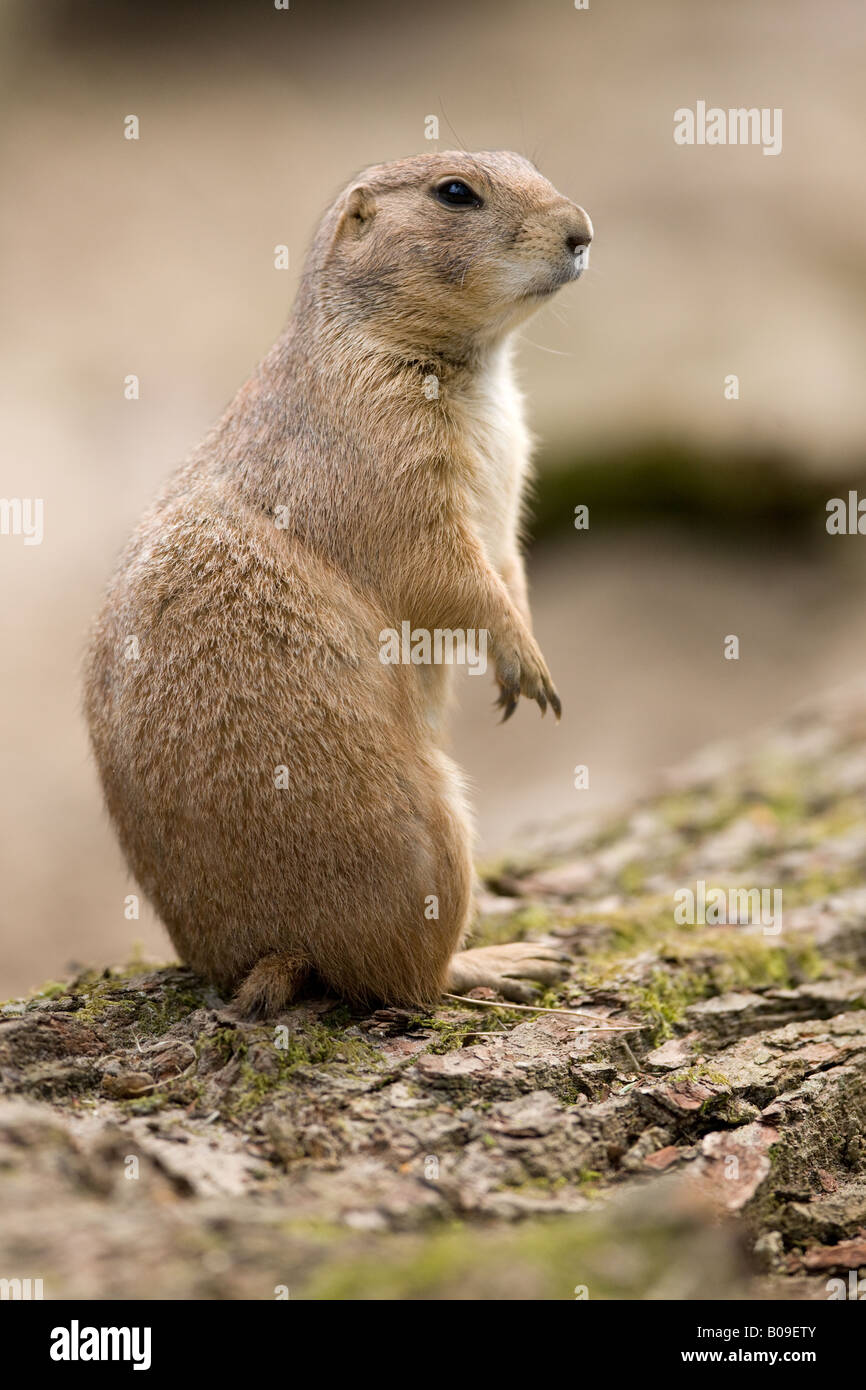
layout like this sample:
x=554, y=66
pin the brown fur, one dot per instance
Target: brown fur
x=334, y=500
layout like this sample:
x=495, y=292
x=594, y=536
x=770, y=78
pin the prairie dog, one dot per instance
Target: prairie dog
x=279, y=791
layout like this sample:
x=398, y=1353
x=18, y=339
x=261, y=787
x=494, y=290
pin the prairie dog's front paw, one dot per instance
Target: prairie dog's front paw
x=522, y=670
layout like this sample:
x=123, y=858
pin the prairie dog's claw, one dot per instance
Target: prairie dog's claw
x=526, y=675
x=507, y=702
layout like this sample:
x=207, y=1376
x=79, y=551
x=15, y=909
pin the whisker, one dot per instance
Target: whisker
x=450, y=126
x=557, y=352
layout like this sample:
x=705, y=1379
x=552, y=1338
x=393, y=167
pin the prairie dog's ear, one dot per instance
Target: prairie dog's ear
x=358, y=213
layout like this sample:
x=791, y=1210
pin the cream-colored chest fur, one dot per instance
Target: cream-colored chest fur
x=497, y=443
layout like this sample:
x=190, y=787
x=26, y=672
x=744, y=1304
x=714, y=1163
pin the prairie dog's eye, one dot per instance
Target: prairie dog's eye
x=454, y=193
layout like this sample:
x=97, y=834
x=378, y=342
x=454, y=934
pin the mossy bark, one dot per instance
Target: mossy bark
x=153, y=1144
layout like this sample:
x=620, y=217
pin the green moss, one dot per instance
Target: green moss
x=157, y=1016
x=109, y=997
x=664, y=1000
x=316, y=1044
x=52, y=989
x=631, y=930
x=589, y=1177
x=545, y=1259
x=513, y=926
x=701, y=1071
x=632, y=877
x=820, y=884
x=843, y=815
x=610, y=833
x=749, y=962
x=450, y=1034
x=698, y=813
x=224, y=1042
x=144, y=1105
x=789, y=805
x=319, y=1043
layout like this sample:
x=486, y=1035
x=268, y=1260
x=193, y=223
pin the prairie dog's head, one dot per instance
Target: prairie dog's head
x=447, y=252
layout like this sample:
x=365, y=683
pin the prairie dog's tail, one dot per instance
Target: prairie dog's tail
x=274, y=982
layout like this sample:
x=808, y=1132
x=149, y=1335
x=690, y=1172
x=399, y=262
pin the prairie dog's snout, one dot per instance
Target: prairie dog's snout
x=558, y=238
x=578, y=238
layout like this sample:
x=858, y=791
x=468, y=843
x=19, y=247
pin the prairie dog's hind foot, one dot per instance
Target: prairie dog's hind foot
x=274, y=983
x=515, y=969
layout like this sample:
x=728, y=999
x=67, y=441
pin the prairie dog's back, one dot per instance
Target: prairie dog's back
x=246, y=661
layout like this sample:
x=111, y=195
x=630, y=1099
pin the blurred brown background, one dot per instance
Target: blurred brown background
x=155, y=257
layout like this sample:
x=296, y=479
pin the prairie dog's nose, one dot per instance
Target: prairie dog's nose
x=579, y=230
